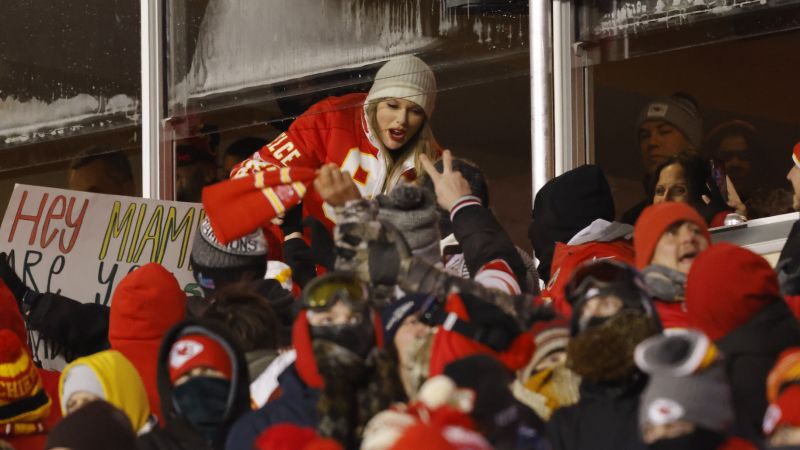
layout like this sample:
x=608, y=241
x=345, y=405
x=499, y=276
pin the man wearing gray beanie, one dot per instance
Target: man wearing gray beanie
x=667, y=127
x=687, y=403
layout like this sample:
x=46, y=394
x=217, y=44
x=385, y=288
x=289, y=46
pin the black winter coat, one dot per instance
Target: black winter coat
x=483, y=239
x=750, y=353
x=605, y=418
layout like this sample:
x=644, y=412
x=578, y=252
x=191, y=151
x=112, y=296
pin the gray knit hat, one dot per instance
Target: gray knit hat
x=406, y=77
x=687, y=382
x=678, y=111
x=213, y=262
x=412, y=210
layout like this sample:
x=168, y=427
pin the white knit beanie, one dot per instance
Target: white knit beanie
x=406, y=77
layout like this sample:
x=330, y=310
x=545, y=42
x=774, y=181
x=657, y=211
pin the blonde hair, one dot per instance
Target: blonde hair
x=423, y=143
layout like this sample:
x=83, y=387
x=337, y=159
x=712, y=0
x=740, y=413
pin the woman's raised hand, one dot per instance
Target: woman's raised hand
x=334, y=186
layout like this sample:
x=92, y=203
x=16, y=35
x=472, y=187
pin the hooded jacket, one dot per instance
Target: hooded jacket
x=732, y=296
x=145, y=304
x=334, y=130
x=11, y=319
x=564, y=206
x=177, y=433
x=122, y=386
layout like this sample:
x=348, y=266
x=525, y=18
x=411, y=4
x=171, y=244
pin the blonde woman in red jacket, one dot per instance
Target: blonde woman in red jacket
x=376, y=138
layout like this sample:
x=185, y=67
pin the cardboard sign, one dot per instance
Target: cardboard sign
x=82, y=244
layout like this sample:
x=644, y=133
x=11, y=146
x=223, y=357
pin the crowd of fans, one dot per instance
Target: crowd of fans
x=360, y=294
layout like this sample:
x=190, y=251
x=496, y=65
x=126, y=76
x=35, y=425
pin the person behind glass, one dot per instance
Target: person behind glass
x=665, y=128
x=102, y=171
x=373, y=139
x=195, y=168
x=240, y=150
x=734, y=144
x=686, y=178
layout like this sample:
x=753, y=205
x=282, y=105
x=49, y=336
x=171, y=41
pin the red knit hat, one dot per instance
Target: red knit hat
x=654, y=222
x=784, y=411
x=196, y=350
x=237, y=207
x=796, y=154
x=727, y=285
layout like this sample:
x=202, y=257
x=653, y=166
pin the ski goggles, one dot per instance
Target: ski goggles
x=326, y=290
x=602, y=277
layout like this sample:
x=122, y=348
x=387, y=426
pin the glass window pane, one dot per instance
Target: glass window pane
x=248, y=68
x=69, y=84
x=745, y=94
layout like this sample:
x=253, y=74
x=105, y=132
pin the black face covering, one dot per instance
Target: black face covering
x=358, y=338
x=699, y=439
x=203, y=402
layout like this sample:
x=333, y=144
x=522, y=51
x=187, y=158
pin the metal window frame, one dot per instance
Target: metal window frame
x=157, y=159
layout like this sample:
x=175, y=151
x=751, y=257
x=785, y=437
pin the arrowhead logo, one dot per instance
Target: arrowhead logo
x=663, y=411
x=183, y=351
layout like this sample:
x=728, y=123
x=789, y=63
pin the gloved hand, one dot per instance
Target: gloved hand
x=293, y=220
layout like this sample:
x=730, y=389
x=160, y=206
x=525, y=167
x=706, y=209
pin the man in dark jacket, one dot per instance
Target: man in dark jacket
x=732, y=296
x=203, y=385
x=612, y=313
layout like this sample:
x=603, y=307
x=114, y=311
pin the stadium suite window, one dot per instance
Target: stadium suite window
x=737, y=59
x=478, y=50
x=70, y=83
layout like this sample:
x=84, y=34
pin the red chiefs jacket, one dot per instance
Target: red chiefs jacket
x=334, y=131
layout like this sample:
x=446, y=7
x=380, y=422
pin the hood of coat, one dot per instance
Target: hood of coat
x=120, y=382
x=239, y=397
x=566, y=205
x=726, y=287
x=145, y=304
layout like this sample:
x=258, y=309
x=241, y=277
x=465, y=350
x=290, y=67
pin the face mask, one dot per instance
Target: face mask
x=357, y=338
x=203, y=402
x=699, y=439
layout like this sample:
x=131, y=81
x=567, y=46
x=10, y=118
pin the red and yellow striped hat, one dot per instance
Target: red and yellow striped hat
x=237, y=207
x=22, y=396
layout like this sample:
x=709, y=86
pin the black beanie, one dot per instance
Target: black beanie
x=95, y=426
x=564, y=206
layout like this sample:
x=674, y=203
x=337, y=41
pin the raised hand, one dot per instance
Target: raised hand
x=450, y=185
x=334, y=186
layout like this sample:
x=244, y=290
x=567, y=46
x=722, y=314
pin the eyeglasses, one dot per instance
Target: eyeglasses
x=324, y=291
x=597, y=276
